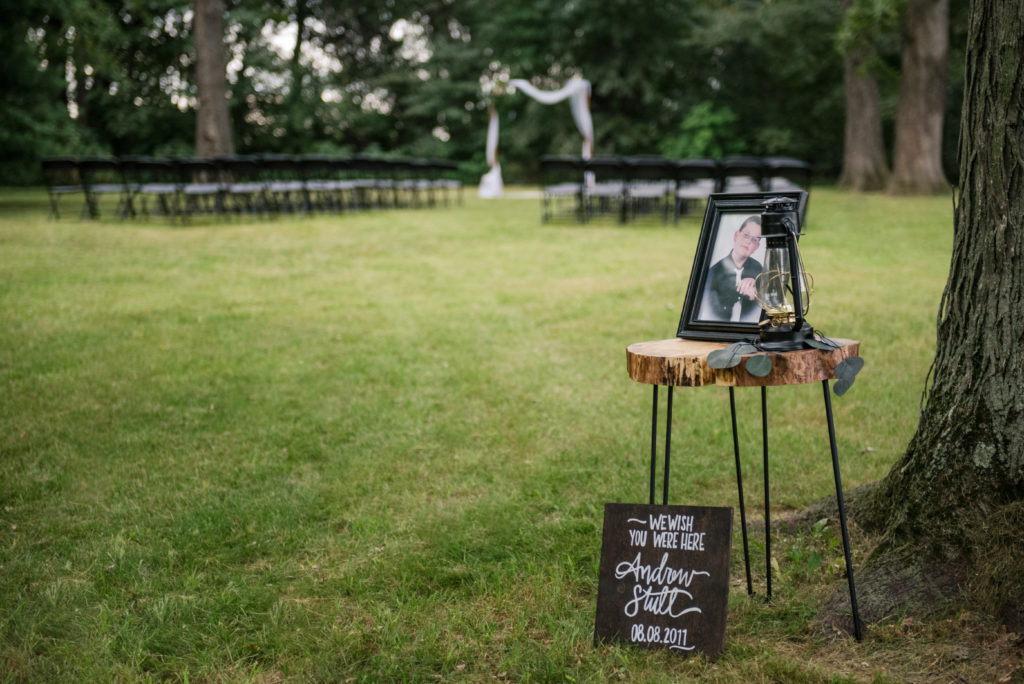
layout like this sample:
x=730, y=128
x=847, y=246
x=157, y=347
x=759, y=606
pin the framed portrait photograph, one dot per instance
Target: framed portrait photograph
x=721, y=302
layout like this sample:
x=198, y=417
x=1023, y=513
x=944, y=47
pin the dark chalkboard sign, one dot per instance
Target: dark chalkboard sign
x=664, y=577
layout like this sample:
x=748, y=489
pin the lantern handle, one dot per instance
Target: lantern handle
x=794, y=265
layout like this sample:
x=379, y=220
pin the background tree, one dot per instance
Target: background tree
x=952, y=508
x=213, y=125
x=917, y=150
x=864, y=163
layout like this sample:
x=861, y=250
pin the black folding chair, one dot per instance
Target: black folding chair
x=62, y=178
x=245, y=189
x=322, y=188
x=649, y=185
x=742, y=174
x=562, y=187
x=362, y=174
x=355, y=188
x=443, y=178
x=154, y=187
x=102, y=177
x=696, y=180
x=785, y=173
x=285, y=190
x=202, y=189
x=413, y=184
x=604, y=188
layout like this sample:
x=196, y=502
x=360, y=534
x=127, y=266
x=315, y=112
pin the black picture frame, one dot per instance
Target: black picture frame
x=726, y=213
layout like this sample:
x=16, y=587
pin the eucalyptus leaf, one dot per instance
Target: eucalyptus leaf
x=823, y=344
x=846, y=374
x=760, y=365
x=730, y=356
x=848, y=368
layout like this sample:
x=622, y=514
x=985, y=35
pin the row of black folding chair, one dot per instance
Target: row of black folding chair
x=129, y=182
x=260, y=184
x=627, y=187
x=288, y=184
x=698, y=178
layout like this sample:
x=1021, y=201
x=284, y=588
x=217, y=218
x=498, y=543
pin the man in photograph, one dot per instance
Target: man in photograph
x=731, y=292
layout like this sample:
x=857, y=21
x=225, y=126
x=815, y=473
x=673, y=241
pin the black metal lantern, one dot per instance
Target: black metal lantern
x=783, y=286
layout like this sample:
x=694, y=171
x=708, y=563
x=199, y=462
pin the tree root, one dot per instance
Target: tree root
x=979, y=565
x=893, y=586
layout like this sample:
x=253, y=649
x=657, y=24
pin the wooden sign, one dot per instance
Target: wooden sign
x=664, y=577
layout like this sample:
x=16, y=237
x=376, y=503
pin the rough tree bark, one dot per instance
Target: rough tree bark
x=952, y=509
x=917, y=153
x=864, y=165
x=213, y=125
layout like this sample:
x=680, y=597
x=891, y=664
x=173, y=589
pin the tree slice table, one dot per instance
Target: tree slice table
x=684, y=363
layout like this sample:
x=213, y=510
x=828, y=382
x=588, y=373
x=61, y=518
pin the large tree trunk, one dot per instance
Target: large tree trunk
x=953, y=507
x=864, y=165
x=917, y=157
x=213, y=125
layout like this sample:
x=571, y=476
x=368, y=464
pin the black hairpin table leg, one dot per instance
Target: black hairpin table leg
x=654, y=442
x=654, y=446
x=668, y=446
x=767, y=503
x=739, y=488
x=857, y=631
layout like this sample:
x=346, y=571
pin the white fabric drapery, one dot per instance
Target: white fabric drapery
x=577, y=91
x=491, y=184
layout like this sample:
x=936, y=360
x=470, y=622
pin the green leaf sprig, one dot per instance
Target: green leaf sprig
x=761, y=364
x=847, y=369
x=730, y=357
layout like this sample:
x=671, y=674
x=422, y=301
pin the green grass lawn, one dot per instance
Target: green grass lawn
x=377, y=446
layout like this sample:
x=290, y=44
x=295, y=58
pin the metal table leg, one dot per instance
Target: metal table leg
x=654, y=442
x=668, y=446
x=654, y=446
x=857, y=626
x=857, y=631
x=767, y=504
x=739, y=487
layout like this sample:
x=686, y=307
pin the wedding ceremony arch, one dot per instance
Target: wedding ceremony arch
x=577, y=91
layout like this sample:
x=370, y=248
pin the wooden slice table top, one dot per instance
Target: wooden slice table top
x=684, y=363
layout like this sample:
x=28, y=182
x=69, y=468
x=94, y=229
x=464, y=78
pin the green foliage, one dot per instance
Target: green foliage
x=706, y=131
x=775, y=67
x=731, y=355
x=759, y=366
x=813, y=552
x=701, y=79
x=846, y=373
x=871, y=22
x=34, y=122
